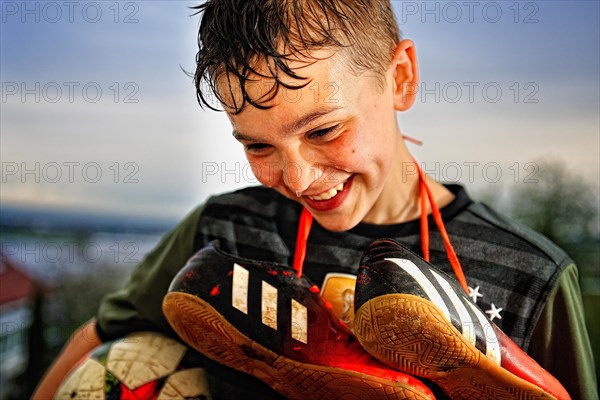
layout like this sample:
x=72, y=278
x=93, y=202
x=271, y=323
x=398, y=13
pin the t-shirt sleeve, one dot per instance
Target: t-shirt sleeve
x=138, y=305
x=560, y=341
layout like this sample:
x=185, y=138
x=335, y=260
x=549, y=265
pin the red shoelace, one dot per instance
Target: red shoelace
x=425, y=195
x=304, y=226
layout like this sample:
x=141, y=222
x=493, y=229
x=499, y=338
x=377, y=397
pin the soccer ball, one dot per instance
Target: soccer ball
x=143, y=365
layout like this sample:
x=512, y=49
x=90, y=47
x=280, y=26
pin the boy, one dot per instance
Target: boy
x=338, y=152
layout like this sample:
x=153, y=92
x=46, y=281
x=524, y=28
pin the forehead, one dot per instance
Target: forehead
x=267, y=85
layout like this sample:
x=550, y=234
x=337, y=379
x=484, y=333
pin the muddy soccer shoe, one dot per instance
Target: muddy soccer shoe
x=262, y=319
x=415, y=318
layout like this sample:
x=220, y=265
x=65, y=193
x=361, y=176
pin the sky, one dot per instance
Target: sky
x=98, y=115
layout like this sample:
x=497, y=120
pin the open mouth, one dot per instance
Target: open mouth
x=330, y=199
x=329, y=194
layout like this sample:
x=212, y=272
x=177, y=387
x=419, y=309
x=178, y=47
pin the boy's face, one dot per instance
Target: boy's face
x=329, y=146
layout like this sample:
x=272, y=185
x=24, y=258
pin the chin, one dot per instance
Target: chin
x=336, y=224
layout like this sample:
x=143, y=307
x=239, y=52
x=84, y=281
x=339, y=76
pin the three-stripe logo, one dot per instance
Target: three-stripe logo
x=269, y=298
x=456, y=308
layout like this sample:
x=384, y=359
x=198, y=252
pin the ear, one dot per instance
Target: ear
x=405, y=75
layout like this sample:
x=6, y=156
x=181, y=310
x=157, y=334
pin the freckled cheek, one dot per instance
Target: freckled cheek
x=350, y=160
x=347, y=153
x=355, y=154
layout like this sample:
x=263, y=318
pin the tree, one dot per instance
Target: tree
x=560, y=205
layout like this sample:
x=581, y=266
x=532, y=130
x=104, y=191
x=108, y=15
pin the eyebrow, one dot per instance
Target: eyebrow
x=310, y=117
x=293, y=126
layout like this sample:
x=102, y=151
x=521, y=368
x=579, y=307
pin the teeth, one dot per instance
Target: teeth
x=330, y=193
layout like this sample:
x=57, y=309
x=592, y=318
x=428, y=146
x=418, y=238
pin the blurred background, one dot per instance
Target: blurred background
x=104, y=148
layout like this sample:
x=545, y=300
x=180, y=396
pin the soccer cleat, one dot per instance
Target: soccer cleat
x=415, y=318
x=262, y=319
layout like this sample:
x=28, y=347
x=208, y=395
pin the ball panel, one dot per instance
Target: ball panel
x=143, y=357
x=189, y=383
x=86, y=382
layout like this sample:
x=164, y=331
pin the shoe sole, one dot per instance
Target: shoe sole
x=411, y=334
x=203, y=328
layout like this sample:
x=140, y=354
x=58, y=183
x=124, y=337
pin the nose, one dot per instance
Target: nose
x=299, y=172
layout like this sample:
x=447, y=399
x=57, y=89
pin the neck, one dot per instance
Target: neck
x=399, y=200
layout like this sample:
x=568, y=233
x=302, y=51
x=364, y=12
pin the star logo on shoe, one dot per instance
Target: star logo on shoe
x=474, y=293
x=494, y=312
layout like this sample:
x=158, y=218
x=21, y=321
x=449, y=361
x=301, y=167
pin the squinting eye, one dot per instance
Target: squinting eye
x=322, y=132
x=257, y=147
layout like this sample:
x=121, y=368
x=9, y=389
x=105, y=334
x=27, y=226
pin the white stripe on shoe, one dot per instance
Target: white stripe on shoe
x=468, y=329
x=299, y=322
x=492, y=350
x=424, y=282
x=269, y=305
x=239, y=289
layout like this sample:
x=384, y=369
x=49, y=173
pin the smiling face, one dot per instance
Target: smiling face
x=333, y=146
